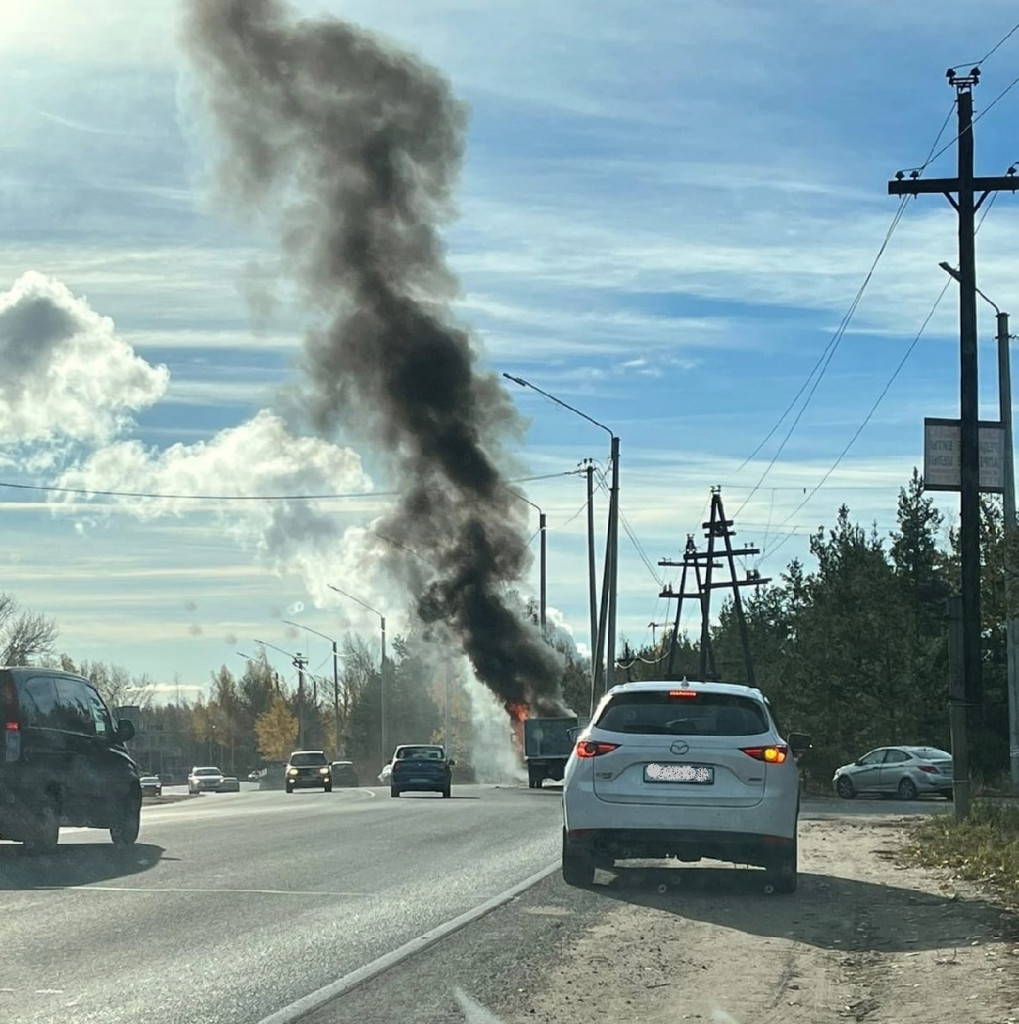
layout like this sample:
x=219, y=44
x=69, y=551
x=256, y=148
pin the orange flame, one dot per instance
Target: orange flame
x=519, y=713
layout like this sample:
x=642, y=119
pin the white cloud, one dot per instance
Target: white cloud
x=65, y=375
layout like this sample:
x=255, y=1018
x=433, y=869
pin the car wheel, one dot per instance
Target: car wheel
x=907, y=790
x=781, y=874
x=445, y=793
x=393, y=791
x=126, y=832
x=290, y=789
x=578, y=868
x=328, y=787
x=845, y=788
x=45, y=830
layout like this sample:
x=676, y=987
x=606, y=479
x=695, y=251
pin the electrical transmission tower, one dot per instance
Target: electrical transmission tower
x=703, y=563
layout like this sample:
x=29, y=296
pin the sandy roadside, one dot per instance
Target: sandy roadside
x=866, y=938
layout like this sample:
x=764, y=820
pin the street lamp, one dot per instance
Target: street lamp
x=382, y=668
x=541, y=563
x=299, y=662
x=607, y=620
x=336, y=682
x=1008, y=503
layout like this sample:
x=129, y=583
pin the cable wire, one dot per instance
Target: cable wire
x=241, y=497
x=823, y=361
x=859, y=430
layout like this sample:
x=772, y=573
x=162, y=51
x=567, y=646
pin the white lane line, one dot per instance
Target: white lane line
x=317, y=999
x=156, y=890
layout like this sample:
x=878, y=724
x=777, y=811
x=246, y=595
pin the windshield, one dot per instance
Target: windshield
x=207, y=771
x=420, y=754
x=706, y=714
x=308, y=759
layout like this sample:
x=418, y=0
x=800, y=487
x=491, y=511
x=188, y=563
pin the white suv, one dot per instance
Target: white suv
x=685, y=770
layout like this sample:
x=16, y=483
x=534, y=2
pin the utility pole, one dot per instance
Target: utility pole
x=717, y=526
x=592, y=578
x=957, y=706
x=300, y=663
x=336, y=703
x=1008, y=502
x=963, y=186
x=612, y=567
x=542, y=590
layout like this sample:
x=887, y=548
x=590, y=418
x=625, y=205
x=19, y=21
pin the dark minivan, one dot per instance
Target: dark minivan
x=63, y=761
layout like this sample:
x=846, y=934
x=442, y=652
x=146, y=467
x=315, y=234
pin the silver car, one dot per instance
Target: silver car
x=905, y=772
x=204, y=780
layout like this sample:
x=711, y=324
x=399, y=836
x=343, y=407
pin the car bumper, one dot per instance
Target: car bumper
x=420, y=785
x=606, y=846
x=151, y=791
x=309, y=783
x=775, y=815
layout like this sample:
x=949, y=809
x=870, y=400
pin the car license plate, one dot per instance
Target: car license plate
x=690, y=774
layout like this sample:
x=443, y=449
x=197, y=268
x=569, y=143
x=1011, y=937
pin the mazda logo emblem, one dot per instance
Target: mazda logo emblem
x=679, y=747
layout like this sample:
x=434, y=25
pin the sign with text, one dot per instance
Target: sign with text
x=942, y=456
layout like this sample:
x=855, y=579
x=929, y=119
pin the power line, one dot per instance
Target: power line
x=823, y=361
x=994, y=49
x=50, y=488
x=884, y=391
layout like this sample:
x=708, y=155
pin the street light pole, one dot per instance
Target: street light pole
x=382, y=668
x=299, y=662
x=1009, y=524
x=592, y=579
x=607, y=624
x=542, y=564
x=336, y=683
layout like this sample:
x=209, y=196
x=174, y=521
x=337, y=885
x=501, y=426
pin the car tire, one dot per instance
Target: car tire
x=782, y=873
x=126, y=832
x=393, y=791
x=446, y=793
x=578, y=868
x=328, y=787
x=45, y=830
x=289, y=789
x=845, y=788
x=907, y=790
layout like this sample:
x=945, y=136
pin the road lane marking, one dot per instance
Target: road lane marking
x=156, y=890
x=320, y=997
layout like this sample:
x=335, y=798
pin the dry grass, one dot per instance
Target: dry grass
x=984, y=848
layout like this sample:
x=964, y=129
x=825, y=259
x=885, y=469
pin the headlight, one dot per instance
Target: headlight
x=324, y=771
x=292, y=771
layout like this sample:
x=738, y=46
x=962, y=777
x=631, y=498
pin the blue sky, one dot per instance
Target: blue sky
x=666, y=210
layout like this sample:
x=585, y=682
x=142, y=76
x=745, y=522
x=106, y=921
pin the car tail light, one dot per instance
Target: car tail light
x=770, y=755
x=682, y=693
x=12, y=723
x=591, y=748
x=929, y=768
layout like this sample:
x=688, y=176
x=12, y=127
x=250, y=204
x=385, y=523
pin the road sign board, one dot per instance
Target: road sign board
x=942, y=456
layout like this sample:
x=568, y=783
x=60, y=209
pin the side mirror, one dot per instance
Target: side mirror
x=452, y=763
x=799, y=742
x=125, y=730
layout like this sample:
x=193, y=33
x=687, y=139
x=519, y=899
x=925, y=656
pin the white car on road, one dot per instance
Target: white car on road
x=205, y=780
x=688, y=770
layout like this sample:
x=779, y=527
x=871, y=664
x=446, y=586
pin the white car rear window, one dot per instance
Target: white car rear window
x=659, y=712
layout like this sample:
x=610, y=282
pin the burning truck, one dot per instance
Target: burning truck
x=544, y=743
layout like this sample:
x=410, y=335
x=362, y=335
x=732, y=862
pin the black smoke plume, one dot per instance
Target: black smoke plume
x=351, y=149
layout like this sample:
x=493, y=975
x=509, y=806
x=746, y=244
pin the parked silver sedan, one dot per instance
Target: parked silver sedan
x=905, y=772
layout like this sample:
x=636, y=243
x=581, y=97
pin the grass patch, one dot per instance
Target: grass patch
x=984, y=848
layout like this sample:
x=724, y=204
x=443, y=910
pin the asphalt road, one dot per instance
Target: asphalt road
x=233, y=906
